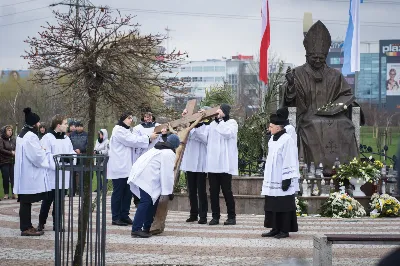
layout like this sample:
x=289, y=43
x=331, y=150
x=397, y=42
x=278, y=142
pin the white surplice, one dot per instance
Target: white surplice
x=122, y=146
x=194, y=158
x=222, y=151
x=153, y=172
x=292, y=132
x=281, y=164
x=55, y=147
x=30, y=166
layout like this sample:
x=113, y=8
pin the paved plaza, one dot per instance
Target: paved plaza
x=193, y=244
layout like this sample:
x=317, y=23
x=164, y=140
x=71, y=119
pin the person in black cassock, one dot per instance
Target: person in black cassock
x=280, y=178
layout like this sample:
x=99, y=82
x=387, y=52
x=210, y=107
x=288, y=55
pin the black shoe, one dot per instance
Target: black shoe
x=40, y=227
x=230, y=222
x=281, y=235
x=191, y=219
x=140, y=234
x=119, y=223
x=202, y=221
x=155, y=232
x=271, y=233
x=127, y=221
x=213, y=222
x=147, y=230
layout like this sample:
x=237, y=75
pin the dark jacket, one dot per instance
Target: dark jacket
x=7, y=145
x=79, y=140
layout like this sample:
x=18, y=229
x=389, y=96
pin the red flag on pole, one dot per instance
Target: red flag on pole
x=265, y=41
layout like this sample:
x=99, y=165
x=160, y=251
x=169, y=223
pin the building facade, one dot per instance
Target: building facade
x=239, y=72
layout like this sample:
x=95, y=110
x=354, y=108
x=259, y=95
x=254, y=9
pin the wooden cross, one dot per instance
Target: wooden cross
x=191, y=116
x=162, y=209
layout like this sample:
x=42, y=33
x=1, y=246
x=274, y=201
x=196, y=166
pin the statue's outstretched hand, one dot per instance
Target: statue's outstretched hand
x=290, y=76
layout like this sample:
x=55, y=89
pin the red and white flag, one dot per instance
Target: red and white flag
x=265, y=41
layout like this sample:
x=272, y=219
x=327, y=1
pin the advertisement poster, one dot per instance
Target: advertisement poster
x=393, y=79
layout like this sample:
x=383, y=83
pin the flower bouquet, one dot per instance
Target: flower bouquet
x=384, y=206
x=341, y=206
x=301, y=207
x=368, y=171
x=358, y=173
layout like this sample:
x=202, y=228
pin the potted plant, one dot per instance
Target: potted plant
x=358, y=173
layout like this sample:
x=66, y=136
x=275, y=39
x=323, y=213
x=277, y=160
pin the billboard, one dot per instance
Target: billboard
x=389, y=61
x=7, y=74
x=392, y=79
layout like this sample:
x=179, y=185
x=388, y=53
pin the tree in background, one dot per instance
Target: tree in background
x=252, y=138
x=102, y=59
x=17, y=94
x=217, y=95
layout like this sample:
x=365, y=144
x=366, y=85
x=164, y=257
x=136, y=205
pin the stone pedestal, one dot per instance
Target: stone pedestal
x=356, y=116
x=292, y=116
x=248, y=199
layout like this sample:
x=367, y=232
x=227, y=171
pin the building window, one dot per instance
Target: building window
x=219, y=79
x=209, y=69
x=197, y=69
x=186, y=69
x=208, y=79
x=220, y=69
x=232, y=79
x=335, y=61
x=197, y=79
x=186, y=79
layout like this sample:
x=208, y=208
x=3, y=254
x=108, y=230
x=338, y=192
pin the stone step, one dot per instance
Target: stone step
x=242, y=185
x=252, y=204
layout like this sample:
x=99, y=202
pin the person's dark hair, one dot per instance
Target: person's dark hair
x=10, y=75
x=57, y=120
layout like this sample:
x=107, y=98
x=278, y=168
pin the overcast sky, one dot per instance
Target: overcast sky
x=220, y=28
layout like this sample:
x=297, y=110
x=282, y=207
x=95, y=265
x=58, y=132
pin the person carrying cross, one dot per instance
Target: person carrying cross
x=222, y=163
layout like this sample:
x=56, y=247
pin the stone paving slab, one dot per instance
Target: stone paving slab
x=194, y=244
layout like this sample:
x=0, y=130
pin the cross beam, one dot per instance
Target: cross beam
x=189, y=117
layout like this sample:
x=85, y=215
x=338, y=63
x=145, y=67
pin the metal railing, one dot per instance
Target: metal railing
x=80, y=221
x=365, y=151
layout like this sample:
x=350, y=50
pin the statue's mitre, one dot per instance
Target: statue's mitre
x=318, y=39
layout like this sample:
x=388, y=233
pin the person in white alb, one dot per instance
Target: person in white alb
x=101, y=147
x=145, y=128
x=222, y=163
x=193, y=163
x=121, y=158
x=30, y=179
x=280, y=176
x=291, y=130
x=151, y=176
x=55, y=142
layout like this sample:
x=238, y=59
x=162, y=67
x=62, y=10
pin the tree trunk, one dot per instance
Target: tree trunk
x=83, y=221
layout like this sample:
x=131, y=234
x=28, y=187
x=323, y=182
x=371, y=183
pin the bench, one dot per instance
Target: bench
x=323, y=244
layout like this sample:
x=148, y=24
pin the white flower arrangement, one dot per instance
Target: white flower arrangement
x=340, y=205
x=301, y=207
x=384, y=206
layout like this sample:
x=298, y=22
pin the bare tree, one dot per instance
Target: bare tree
x=102, y=59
